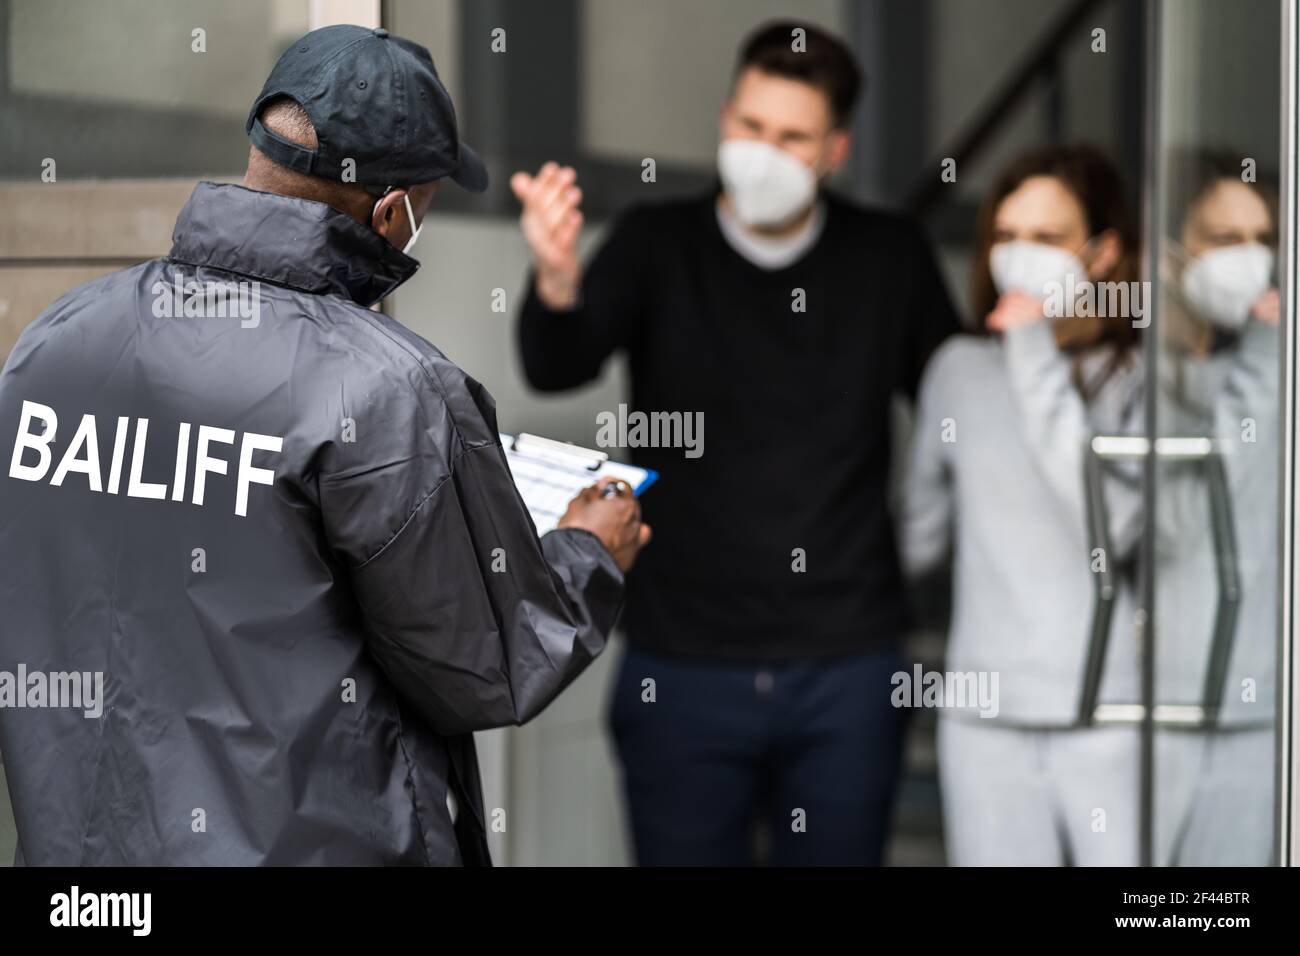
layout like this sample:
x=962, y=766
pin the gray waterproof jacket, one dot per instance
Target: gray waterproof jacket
x=281, y=531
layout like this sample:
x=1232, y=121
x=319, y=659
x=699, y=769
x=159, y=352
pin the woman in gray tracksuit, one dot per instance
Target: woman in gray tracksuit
x=996, y=475
x=1219, y=378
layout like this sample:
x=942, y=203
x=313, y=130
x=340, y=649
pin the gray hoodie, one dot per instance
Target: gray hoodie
x=996, y=474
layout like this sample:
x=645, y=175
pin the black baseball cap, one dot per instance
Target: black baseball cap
x=375, y=99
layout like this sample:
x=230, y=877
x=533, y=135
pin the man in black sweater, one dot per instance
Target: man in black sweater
x=764, y=621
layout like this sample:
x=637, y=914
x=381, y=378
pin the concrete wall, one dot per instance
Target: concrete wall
x=243, y=38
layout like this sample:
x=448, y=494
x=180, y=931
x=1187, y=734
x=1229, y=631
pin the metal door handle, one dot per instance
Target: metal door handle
x=1227, y=572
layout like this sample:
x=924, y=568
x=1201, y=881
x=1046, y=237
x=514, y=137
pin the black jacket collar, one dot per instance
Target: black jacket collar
x=301, y=244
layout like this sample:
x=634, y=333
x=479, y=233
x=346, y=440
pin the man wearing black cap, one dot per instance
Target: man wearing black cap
x=268, y=535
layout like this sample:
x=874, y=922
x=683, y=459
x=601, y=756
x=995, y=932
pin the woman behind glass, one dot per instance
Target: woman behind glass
x=996, y=476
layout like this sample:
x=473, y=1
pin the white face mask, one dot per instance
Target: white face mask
x=1035, y=268
x=767, y=186
x=410, y=217
x=1221, y=285
x=415, y=229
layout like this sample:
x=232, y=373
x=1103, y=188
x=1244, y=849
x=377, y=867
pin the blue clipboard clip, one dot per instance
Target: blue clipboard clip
x=651, y=476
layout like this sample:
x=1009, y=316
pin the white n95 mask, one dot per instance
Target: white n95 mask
x=1035, y=268
x=768, y=187
x=1221, y=285
x=415, y=229
x=410, y=217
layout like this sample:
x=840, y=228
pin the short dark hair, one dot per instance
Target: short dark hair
x=287, y=118
x=820, y=60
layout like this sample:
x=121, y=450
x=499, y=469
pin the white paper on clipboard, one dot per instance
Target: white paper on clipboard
x=549, y=473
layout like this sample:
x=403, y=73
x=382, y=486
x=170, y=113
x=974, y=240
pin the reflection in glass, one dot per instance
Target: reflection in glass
x=1217, y=415
x=1216, y=514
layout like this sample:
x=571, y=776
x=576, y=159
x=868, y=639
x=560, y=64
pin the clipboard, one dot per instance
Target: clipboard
x=549, y=473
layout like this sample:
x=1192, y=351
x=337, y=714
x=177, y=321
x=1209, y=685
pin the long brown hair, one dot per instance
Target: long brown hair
x=1095, y=182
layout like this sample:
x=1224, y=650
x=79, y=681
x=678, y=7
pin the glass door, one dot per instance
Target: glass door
x=1213, y=548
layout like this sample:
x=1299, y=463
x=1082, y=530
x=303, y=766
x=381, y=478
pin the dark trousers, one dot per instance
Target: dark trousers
x=807, y=751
